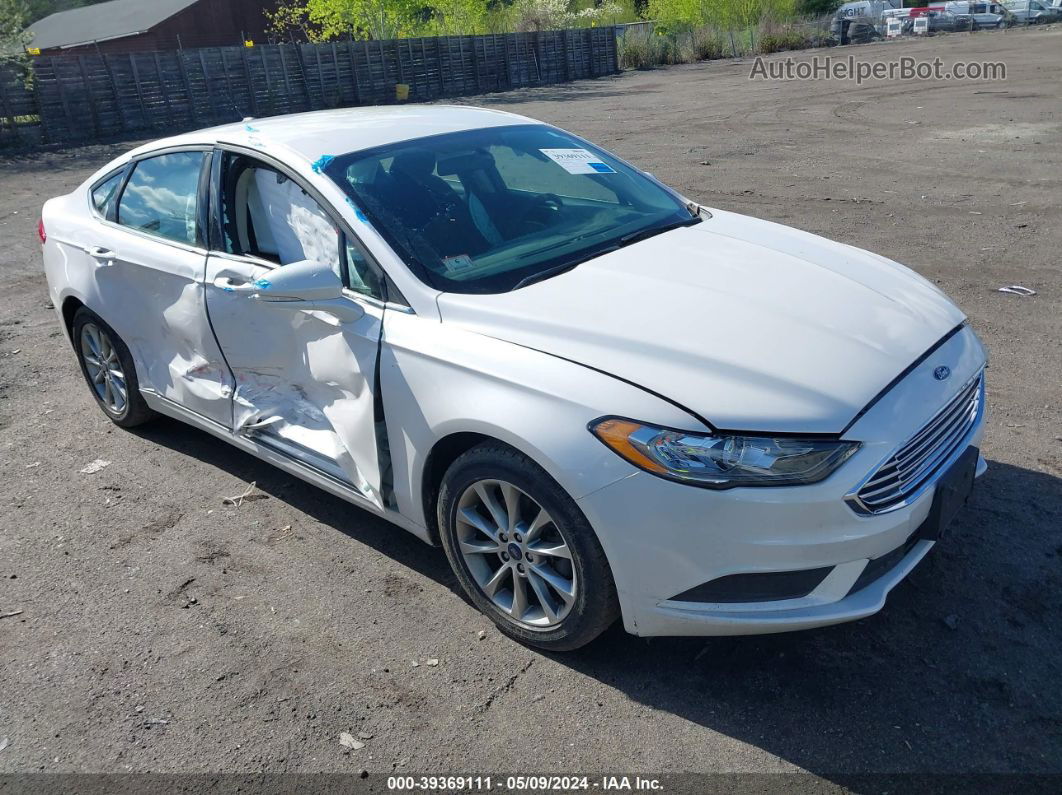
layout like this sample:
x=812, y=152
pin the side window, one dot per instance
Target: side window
x=161, y=196
x=361, y=273
x=104, y=193
x=267, y=215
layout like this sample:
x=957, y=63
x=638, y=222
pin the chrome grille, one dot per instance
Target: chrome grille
x=912, y=467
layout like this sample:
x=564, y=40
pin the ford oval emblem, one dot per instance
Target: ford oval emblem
x=942, y=373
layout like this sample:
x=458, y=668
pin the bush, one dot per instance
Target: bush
x=707, y=44
x=634, y=53
x=644, y=49
x=783, y=40
x=639, y=51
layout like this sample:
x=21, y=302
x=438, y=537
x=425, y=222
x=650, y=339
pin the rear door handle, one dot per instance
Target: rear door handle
x=99, y=252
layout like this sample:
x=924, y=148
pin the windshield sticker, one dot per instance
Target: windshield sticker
x=578, y=161
x=459, y=263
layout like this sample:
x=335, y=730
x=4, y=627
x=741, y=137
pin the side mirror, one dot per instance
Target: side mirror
x=307, y=285
x=300, y=281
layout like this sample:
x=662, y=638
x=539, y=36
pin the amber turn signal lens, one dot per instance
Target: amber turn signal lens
x=616, y=434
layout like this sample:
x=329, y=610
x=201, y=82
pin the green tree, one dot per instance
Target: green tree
x=817, y=8
x=458, y=17
x=321, y=20
x=682, y=15
x=13, y=37
x=679, y=15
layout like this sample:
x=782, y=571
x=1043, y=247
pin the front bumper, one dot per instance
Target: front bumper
x=666, y=541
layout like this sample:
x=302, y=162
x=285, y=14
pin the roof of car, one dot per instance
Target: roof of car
x=337, y=132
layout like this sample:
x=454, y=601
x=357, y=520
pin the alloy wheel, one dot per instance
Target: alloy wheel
x=104, y=368
x=516, y=554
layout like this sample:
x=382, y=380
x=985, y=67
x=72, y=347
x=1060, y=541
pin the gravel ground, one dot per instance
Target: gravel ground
x=161, y=630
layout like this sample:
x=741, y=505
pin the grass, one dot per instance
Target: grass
x=646, y=49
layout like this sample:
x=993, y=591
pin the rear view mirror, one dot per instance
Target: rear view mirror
x=307, y=285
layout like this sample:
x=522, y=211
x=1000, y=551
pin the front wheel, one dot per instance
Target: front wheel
x=523, y=551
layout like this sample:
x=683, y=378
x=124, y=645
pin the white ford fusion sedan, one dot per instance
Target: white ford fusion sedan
x=599, y=397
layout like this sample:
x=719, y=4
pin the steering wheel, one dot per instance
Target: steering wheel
x=545, y=205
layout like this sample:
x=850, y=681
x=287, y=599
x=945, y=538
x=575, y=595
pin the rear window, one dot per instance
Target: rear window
x=104, y=193
x=162, y=195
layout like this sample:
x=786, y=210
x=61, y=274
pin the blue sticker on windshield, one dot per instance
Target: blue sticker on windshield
x=602, y=168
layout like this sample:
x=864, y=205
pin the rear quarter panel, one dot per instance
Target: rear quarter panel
x=67, y=268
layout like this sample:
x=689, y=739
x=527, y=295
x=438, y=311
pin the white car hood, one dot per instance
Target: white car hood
x=749, y=324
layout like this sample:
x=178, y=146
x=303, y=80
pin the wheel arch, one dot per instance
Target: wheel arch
x=442, y=454
x=69, y=308
x=448, y=449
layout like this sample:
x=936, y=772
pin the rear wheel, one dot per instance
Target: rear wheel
x=523, y=551
x=108, y=369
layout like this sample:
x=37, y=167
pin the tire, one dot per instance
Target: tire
x=573, y=562
x=91, y=335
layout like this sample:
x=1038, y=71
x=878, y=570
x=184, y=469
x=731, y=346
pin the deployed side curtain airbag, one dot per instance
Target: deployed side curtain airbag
x=299, y=229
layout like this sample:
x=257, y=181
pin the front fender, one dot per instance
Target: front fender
x=438, y=380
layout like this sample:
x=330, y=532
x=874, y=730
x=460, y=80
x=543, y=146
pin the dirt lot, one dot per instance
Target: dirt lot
x=162, y=630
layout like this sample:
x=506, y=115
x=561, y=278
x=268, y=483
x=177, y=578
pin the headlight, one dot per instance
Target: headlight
x=723, y=461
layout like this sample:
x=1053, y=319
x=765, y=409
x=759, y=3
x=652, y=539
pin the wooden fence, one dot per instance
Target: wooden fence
x=85, y=98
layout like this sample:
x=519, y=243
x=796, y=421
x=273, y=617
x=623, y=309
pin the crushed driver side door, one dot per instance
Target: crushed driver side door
x=304, y=380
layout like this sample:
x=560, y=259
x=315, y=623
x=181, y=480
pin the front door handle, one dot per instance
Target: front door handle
x=231, y=284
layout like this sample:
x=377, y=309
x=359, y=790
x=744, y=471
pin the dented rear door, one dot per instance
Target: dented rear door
x=147, y=261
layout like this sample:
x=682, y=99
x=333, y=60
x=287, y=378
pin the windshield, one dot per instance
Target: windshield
x=485, y=211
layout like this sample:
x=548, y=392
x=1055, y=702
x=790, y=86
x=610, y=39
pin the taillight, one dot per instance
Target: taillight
x=41, y=233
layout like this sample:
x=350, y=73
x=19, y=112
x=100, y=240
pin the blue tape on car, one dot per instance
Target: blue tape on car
x=263, y=284
x=321, y=163
x=357, y=211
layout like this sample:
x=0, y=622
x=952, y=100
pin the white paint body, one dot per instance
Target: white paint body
x=741, y=323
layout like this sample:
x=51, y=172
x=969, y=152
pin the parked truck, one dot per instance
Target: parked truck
x=861, y=21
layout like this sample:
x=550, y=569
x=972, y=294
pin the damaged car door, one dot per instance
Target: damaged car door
x=304, y=371
x=147, y=252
